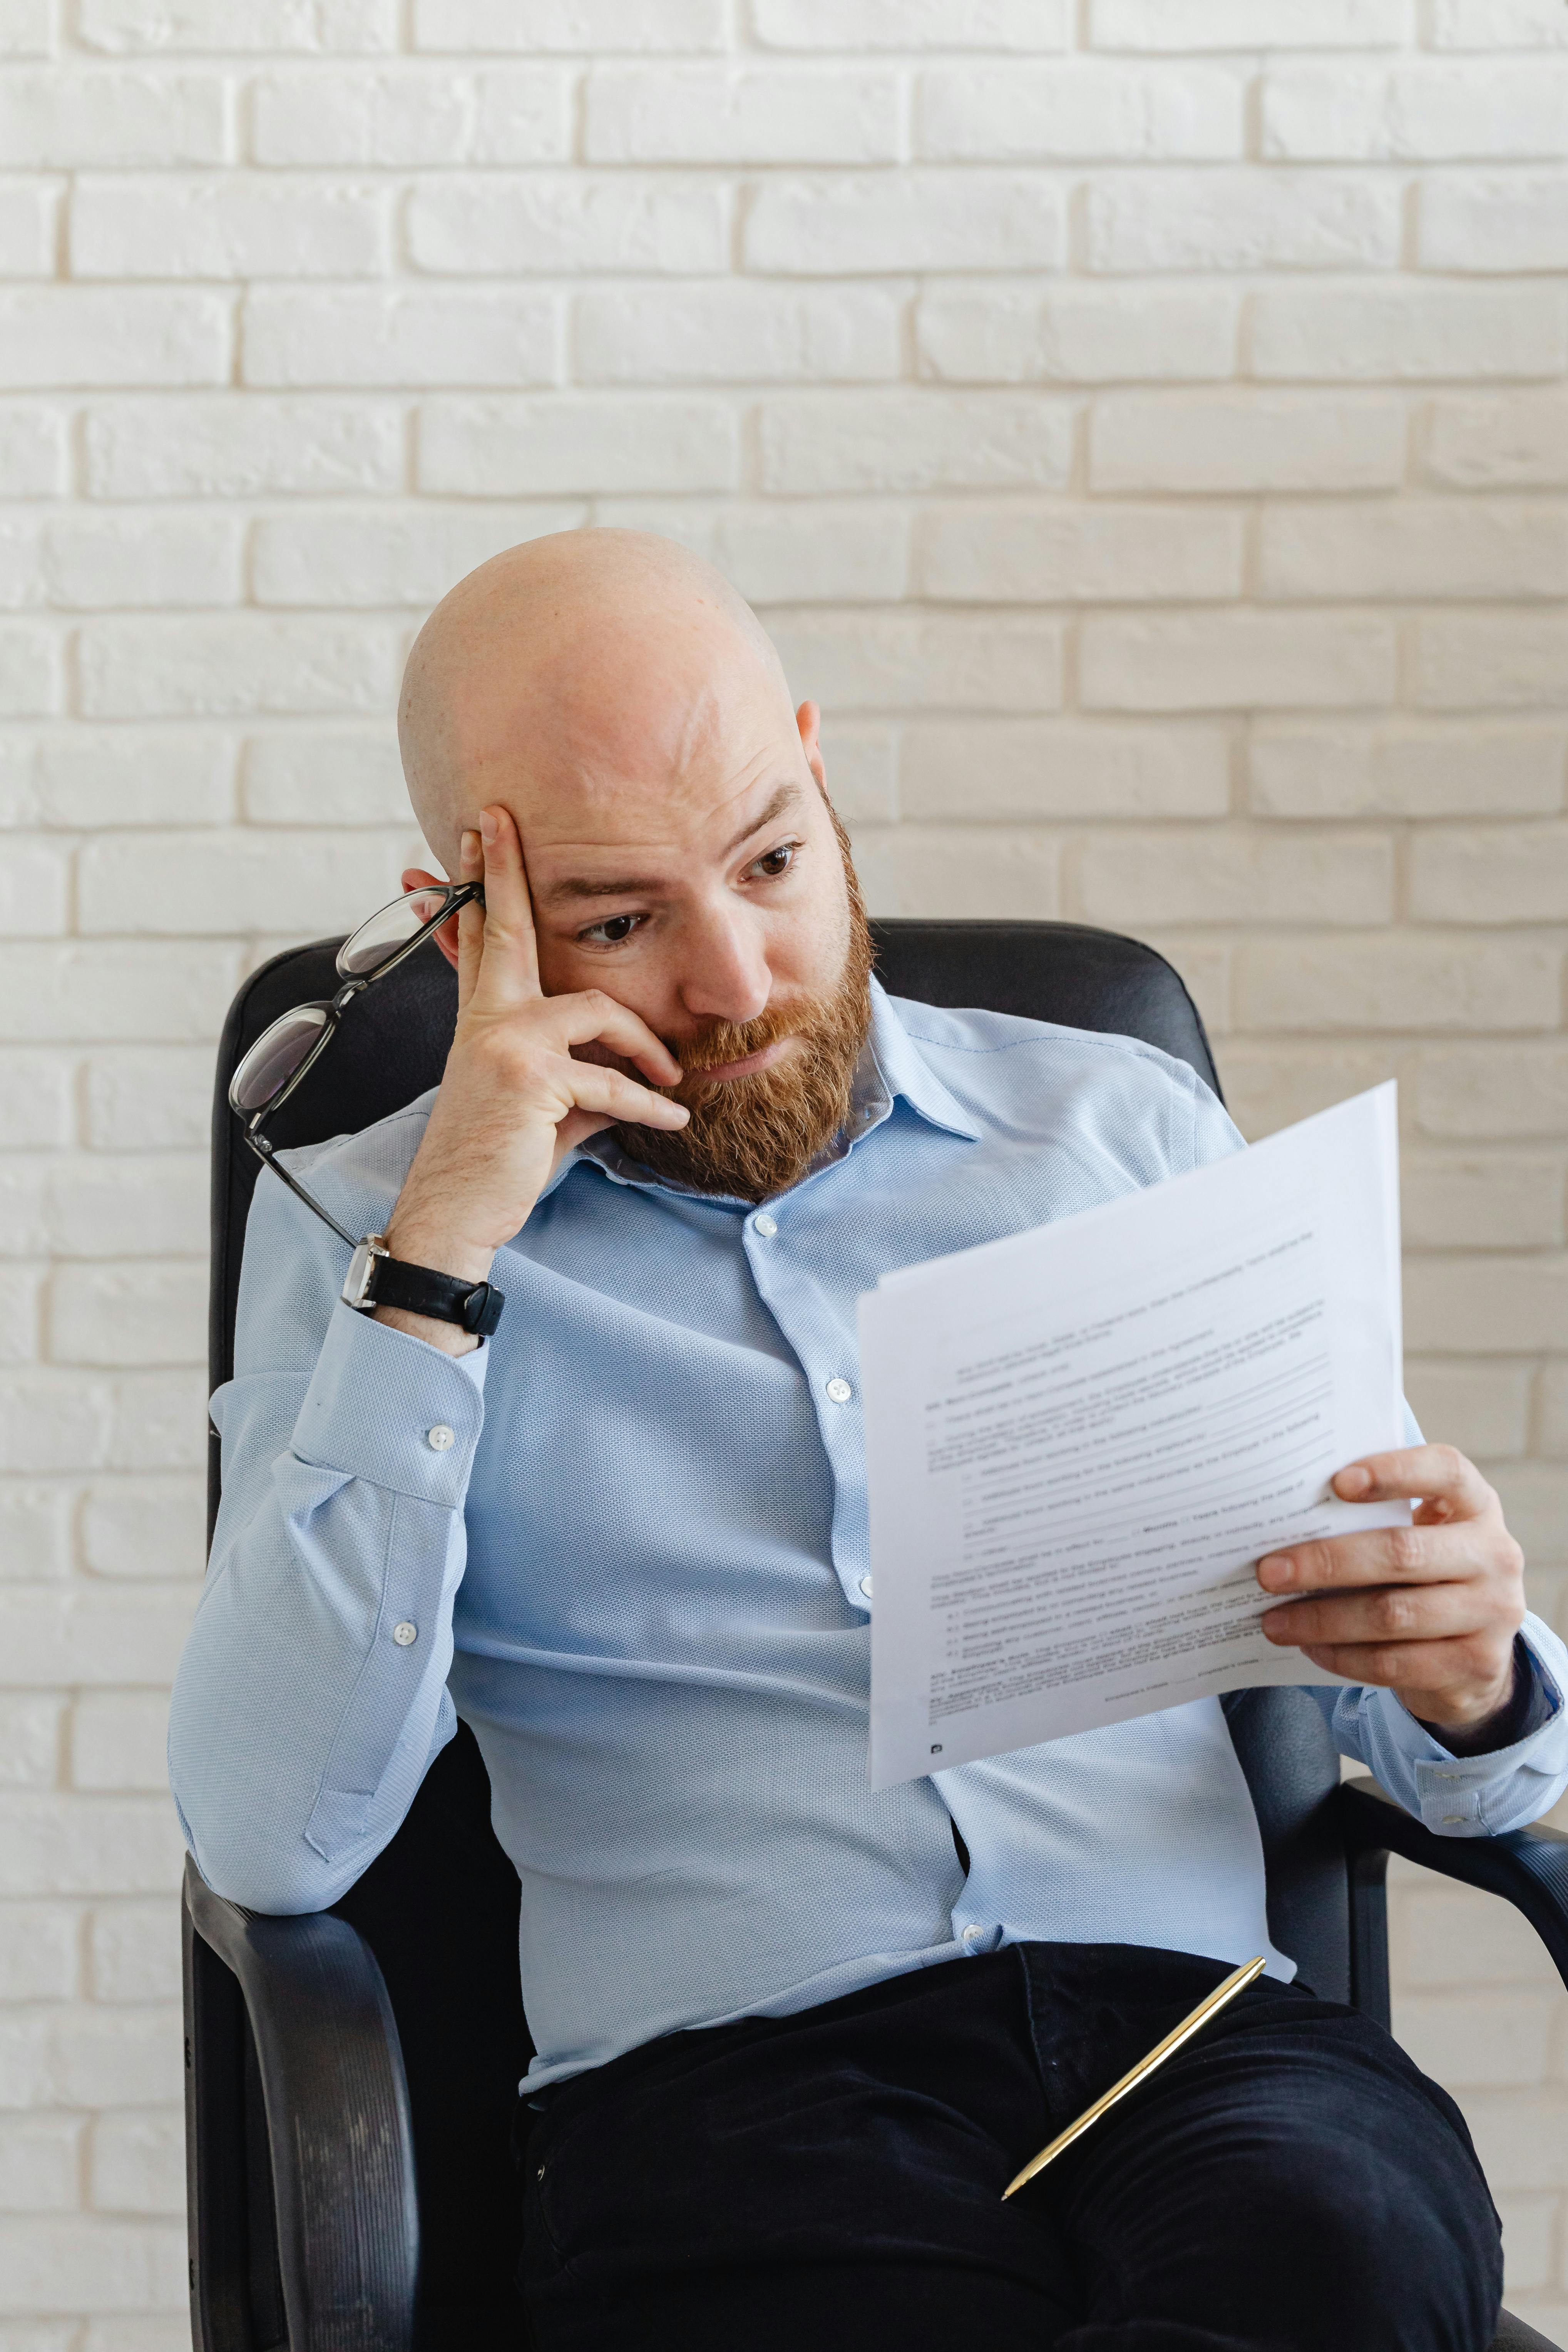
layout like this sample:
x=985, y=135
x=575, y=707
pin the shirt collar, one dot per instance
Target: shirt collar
x=905, y=1071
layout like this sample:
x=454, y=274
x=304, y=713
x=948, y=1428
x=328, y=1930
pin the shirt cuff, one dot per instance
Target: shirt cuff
x=388, y=1408
x=1452, y=1791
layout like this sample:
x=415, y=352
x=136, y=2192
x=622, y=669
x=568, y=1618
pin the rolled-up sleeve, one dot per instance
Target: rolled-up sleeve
x=312, y=1692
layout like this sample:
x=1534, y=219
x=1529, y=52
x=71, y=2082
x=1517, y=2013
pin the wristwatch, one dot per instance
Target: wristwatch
x=375, y=1278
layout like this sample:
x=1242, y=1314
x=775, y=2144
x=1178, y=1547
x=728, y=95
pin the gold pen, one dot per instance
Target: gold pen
x=1206, y=2007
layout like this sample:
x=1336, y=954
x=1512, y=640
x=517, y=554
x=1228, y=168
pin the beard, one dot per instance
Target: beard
x=755, y=1135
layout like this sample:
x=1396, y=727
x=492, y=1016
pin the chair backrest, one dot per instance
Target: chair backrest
x=439, y=1908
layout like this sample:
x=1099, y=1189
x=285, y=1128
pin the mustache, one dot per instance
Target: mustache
x=726, y=1040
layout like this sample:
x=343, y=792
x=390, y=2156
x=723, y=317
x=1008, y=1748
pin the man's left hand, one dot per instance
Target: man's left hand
x=1429, y=1610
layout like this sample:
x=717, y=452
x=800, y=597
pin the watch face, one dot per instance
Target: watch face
x=356, y=1282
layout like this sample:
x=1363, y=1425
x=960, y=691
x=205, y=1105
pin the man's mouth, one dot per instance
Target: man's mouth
x=764, y=1059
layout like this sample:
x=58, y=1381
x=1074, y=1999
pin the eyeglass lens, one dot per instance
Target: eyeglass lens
x=387, y=932
x=276, y=1055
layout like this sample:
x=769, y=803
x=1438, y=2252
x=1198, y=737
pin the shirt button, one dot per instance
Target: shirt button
x=973, y=1933
x=840, y=1392
x=866, y=1585
x=766, y=1226
x=404, y=1633
x=1448, y=1817
x=439, y=1438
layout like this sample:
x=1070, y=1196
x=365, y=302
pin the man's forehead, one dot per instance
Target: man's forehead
x=652, y=847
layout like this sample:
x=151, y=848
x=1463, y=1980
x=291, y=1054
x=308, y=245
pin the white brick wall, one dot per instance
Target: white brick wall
x=1145, y=426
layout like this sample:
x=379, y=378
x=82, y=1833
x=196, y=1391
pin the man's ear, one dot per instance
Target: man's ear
x=808, y=718
x=416, y=878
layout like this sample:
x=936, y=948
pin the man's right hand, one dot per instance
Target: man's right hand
x=512, y=1100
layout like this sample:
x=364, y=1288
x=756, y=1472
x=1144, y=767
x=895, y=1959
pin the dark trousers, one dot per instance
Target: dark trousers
x=1288, y=2179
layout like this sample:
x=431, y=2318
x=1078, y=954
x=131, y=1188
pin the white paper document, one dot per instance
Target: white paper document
x=1081, y=1440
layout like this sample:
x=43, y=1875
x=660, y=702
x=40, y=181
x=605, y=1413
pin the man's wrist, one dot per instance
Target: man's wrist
x=1497, y=1725
x=437, y=1247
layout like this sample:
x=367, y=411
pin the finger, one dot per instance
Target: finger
x=594, y=1089
x=509, y=961
x=590, y=1017
x=1426, y=1473
x=1379, y=1556
x=469, y=919
x=1391, y=1614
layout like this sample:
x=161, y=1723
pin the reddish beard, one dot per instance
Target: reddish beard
x=755, y=1135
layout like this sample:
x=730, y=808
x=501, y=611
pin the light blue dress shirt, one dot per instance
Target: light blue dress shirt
x=625, y=1540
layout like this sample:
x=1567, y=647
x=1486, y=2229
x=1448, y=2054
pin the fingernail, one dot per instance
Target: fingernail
x=488, y=824
x=1280, y=1568
x=1354, y=1482
x=470, y=848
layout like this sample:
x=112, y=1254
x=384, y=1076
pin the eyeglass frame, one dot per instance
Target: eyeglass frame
x=454, y=896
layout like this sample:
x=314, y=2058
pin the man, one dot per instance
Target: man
x=793, y=2038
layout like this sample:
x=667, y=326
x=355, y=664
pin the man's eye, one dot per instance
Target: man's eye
x=611, y=932
x=778, y=861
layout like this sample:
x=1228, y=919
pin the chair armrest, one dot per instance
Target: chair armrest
x=1528, y=1868
x=337, y=2132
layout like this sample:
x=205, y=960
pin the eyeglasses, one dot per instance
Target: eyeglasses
x=287, y=1051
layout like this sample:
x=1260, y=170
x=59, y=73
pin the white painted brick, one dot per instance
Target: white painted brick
x=1479, y=2038
x=597, y=442
x=1530, y=2233
x=35, y=1534
x=38, y=1951
x=143, y=1526
x=1221, y=876
x=34, y=457
x=27, y=28
x=1481, y=1407
x=97, y=562
x=860, y=770
x=158, y=1422
x=30, y=1743
x=43, y=2335
x=313, y=777
x=21, y=1306
x=1023, y=333
x=525, y=115
x=568, y=222
x=1014, y=25
x=1038, y=771
x=413, y=336
x=1240, y=660
x=1534, y=1494
x=1407, y=333
x=237, y=448
x=107, y=335
x=1242, y=220
x=115, y=1207
x=97, y=1633
x=349, y=116
x=777, y=552
x=101, y=776
x=1021, y=114
x=344, y=556
x=1271, y=1085
x=21, y=569
x=956, y=872
x=145, y=989
x=1490, y=1303
x=908, y=221
x=129, y=1314
x=87, y=2264
x=220, y=666
x=1408, y=769
x=1499, y=24
x=35, y=888
x=133, y=1951
x=227, y=225
x=96, y=1845
x=225, y=882
x=1503, y=1201
x=1502, y=661
x=26, y=229
x=1403, y=981
x=118, y=1740
x=728, y=115
x=311, y=27
x=1555, y=1411
x=32, y=676
x=921, y=661
x=1051, y=555
x=59, y=119
x=36, y=1099
x=1245, y=441
x=1497, y=221
x=1428, y=113
x=1493, y=1092
x=23, y=1215
x=138, y=2162
x=642, y=25
x=149, y=1098
x=121, y=2334
x=1415, y=547
x=40, y=2163
x=1491, y=873
x=735, y=333
x=1517, y=441
x=914, y=440
x=1176, y=25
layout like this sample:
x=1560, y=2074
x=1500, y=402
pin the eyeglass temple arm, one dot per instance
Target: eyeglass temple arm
x=269, y=1159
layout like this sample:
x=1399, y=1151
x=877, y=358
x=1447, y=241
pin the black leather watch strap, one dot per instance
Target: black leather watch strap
x=376, y=1279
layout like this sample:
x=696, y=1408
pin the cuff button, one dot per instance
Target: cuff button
x=439, y=1438
x=404, y=1633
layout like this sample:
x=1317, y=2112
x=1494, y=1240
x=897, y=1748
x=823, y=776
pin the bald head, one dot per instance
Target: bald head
x=583, y=666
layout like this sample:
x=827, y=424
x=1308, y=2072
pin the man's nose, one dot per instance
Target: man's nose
x=726, y=976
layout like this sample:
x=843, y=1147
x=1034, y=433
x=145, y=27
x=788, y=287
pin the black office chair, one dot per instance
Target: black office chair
x=350, y=2075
